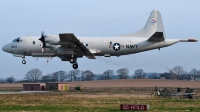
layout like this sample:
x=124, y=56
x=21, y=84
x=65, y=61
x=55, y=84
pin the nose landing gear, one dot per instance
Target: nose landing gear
x=23, y=61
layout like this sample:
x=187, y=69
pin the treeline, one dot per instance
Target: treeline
x=35, y=75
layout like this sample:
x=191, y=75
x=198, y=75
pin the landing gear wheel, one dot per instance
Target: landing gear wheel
x=23, y=62
x=72, y=60
x=75, y=66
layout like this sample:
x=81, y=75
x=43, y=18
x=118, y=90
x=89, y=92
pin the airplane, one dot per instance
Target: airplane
x=68, y=47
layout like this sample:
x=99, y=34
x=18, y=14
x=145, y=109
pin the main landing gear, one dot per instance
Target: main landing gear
x=73, y=61
x=23, y=61
x=75, y=65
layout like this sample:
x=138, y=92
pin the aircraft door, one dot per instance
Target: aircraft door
x=105, y=45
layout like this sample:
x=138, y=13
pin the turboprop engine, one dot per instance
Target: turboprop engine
x=51, y=39
x=47, y=41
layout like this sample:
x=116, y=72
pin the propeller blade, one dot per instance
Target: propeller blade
x=42, y=39
x=44, y=44
x=43, y=50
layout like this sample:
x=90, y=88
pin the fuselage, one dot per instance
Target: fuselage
x=98, y=46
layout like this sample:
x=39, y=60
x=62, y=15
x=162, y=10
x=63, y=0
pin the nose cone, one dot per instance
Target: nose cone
x=5, y=48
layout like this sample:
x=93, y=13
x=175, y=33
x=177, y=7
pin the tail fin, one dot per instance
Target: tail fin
x=153, y=28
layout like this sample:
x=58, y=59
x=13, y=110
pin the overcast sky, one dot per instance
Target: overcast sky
x=29, y=18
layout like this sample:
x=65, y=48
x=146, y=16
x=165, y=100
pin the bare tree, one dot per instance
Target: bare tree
x=2, y=80
x=33, y=75
x=139, y=74
x=123, y=73
x=47, y=78
x=194, y=74
x=10, y=79
x=87, y=75
x=165, y=75
x=178, y=73
x=54, y=77
x=62, y=75
x=58, y=76
x=153, y=76
x=50, y=77
x=178, y=70
x=82, y=75
x=99, y=77
x=108, y=74
x=73, y=75
x=185, y=76
x=198, y=74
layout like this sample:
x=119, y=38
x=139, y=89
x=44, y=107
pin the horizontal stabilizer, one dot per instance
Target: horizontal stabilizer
x=157, y=36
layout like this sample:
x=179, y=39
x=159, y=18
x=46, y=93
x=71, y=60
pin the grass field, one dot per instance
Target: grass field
x=98, y=102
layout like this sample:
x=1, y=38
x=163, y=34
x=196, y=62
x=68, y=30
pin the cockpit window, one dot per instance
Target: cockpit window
x=16, y=40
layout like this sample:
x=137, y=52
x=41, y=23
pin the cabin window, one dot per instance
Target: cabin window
x=16, y=40
x=110, y=42
x=33, y=42
x=86, y=44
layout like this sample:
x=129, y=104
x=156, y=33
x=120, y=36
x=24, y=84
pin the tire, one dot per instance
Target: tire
x=23, y=62
x=75, y=66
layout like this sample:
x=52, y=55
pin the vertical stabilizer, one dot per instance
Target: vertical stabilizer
x=153, y=25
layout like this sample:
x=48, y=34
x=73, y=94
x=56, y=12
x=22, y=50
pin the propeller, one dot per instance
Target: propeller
x=42, y=39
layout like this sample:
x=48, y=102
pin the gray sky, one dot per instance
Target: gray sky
x=29, y=18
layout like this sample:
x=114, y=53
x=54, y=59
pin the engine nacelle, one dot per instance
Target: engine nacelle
x=49, y=45
x=51, y=38
x=54, y=40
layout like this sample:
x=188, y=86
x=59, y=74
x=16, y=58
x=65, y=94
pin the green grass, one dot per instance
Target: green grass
x=92, y=103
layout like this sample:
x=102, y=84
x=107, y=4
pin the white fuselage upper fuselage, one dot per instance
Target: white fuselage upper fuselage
x=98, y=46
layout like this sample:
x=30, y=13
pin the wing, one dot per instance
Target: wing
x=74, y=44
